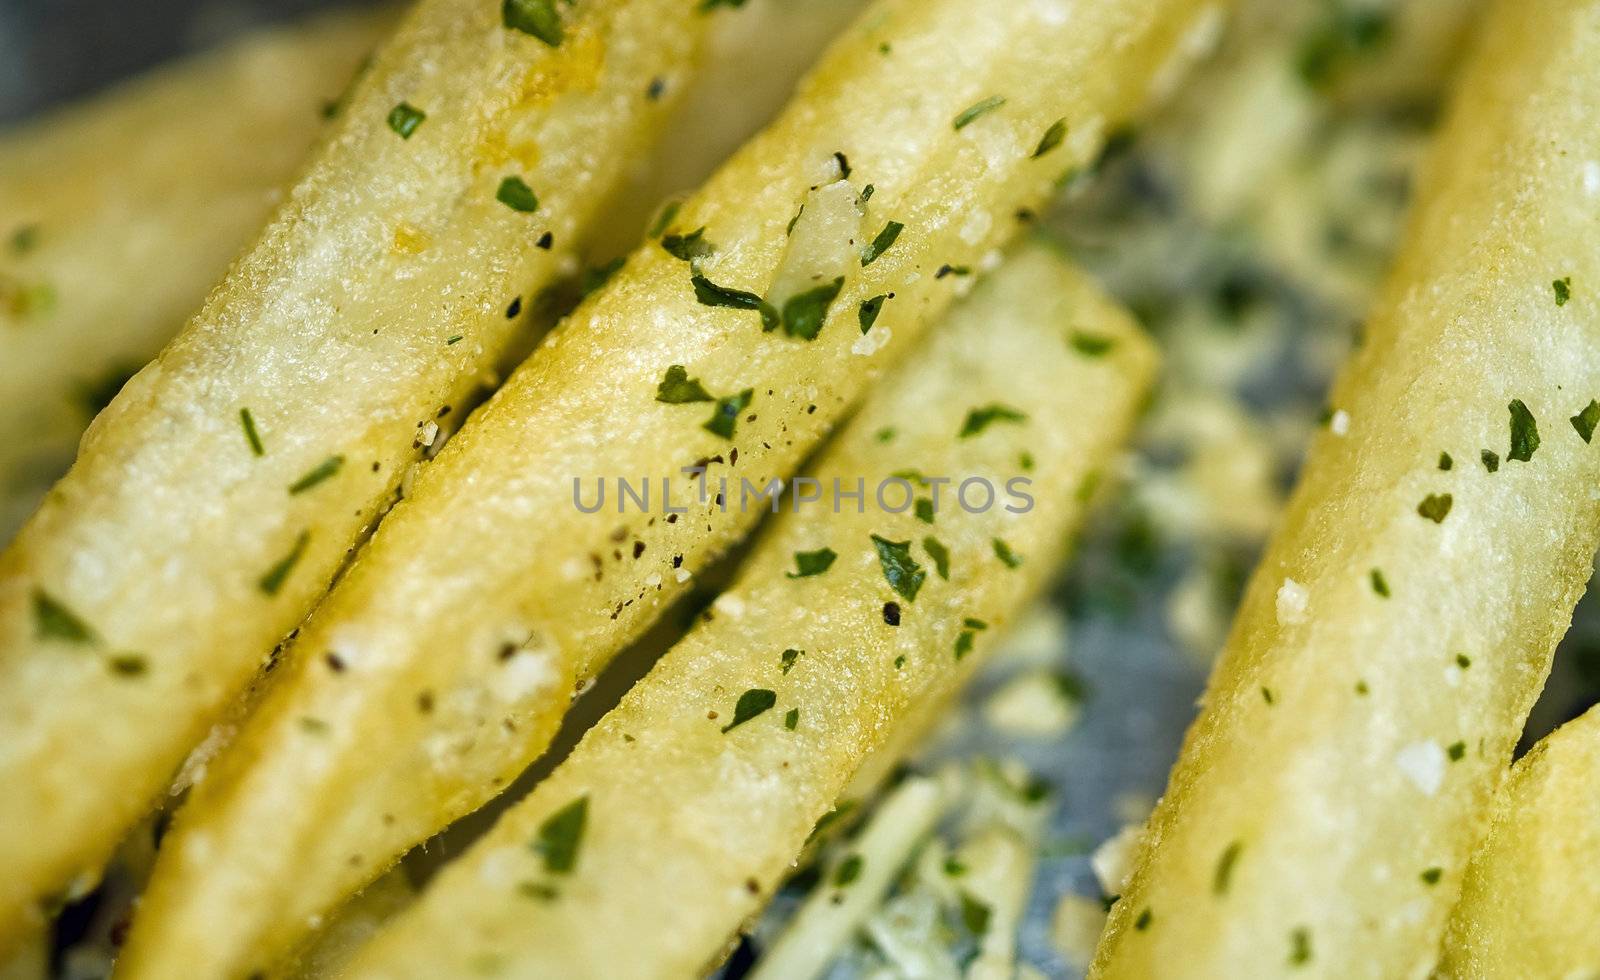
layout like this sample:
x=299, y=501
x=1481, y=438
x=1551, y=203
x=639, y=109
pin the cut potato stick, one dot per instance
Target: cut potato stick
x=1530, y=899
x=217, y=495
x=445, y=657
x=693, y=805
x=1401, y=624
x=116, y=217
x=854, y=884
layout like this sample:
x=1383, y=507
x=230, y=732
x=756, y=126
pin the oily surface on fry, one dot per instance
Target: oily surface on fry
x=130, y=206
x=692, y=814
x=461, y=629
x=1529, y=900
x=1394, y=637
x=187, y=539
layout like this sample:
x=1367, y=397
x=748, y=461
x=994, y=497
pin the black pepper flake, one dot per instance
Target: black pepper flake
x=515, y=308
x=891, y=613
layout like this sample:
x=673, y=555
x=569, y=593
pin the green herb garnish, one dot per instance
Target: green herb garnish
x=809, y=563
x=881, y=244
x=868, y=314
x=1052, y=138
x=805, y=313
x=751, y=704
x=1380, y=584
x=560, y=835
x=688, y=247
x=677, y=388
x=317, y=474
x=981, y=418
x=405, y=118
x=1586, y=420
x=515, y=194
x=248, y=423
x=536, y=17
x=1524, y=432
x=726, y=415
x=1092, y=344
x=52, y=620
x=709, y=293
x=1007, y=557
x=1223, y=876
x=848, y=871
x=1563, y=289
x=972, y=113
x=1435, y=507
x=275, y=576
x=940, y=555
x=791, y=721
x=901, y=571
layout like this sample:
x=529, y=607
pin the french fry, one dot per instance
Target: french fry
x=1401, y=624
x=691, y=804
x=1529, y=900
x=216, y=497
x=459, y=634
x=120, y=213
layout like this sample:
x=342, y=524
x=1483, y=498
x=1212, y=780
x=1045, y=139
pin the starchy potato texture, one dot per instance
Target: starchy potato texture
x=215, y=498
x=443, y=660
x=1396, y=634
x=1530, y=899
x=693, y=807
x=117, y=216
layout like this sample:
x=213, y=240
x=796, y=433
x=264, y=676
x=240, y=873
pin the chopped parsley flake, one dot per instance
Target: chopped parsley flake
x=1463, y=661
x=805, y=313
x=1380, y=584
x=1007, y=557
x=940, y=555
x=791, y=721
x=128, y=665
x=1091, y=344
x=1266, y=695
x=1223, y=876
x=405, y=118
x=52, y=620
x=809, y=563
x=726, y=415
x=1491, y=460
x=536, y=17
x=901, y=571
x=964, y=642
x=974, y=624
x=881, y=244
x=322, y=471
x=1143, y=921
x=972, y=113
x=1432, y=876
x=975, y=914
x=1563, y=289
x=1457, y=751
x=924, y=509
x=275, y=576
x=885, y=434
x=709, y=293
x=868, y=314
x=515, y=194
x=789, y=658
x=1052, y=138
x=677, y=388
x=560, y=835
x=1300, y=947
x=1585, y=421
x=1524, y=432
x=981, y=418
x=690, y=247
x=752, y=703
x=1446, y=463
x=848, y=871
x=1435, y=507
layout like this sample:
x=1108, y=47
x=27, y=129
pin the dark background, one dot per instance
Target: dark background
x=55, y=50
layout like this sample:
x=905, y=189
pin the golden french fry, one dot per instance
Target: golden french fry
x=120, y=213
x=693, y=797
x=1397, y=632
x=218, y=494
x=1529, y=899
x=440, y=664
